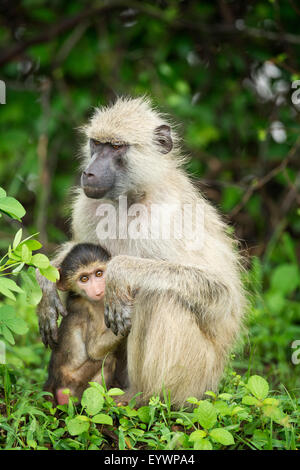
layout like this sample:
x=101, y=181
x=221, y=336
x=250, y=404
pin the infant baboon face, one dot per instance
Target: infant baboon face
x=92, y=282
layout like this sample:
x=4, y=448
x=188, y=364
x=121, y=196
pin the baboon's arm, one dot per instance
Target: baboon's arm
x=50, y=305
x=198, y=290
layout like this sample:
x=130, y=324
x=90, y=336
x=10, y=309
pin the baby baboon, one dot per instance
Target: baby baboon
x=85, y=345
x=190, y=302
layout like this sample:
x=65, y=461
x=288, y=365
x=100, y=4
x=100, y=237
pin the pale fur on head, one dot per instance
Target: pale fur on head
x=133, y=121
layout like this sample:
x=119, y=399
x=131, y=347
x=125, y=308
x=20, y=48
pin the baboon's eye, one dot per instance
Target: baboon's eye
x=116, y=145
x=99, y=273
x=95, y=142
x=83, y=278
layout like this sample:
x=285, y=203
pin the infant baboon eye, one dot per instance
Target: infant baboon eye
x=83, y=279
x=99, y=273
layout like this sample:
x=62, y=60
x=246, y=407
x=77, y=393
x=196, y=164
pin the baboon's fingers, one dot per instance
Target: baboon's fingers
x=106, y=317
x=48, y=328
x=60, y=308
x=43, y=332
x=125, y=321
x=113, y=323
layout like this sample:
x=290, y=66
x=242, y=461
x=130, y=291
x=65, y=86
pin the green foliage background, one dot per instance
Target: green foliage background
x=224, y=71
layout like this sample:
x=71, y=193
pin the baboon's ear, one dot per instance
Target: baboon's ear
x=59, y=283
x=162, y=137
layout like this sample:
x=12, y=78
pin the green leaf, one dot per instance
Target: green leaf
x=115, y=391
x=32, y=245
x=7, y=334
x=10, y=284
x=12, y=207
x=92, y=400
x=98, y=387
x=18, y=268
x=102, y=419
x=206, y=414
x=271, y=401
x=8, y=317
x=285, y=278
x=222, y=436
x=76, y=426
x=203, y=444
x=144, y=414
x=26, y=254
x=197, y=435
x=6, y=292
x=50, y=273
x=258, y=386
x=249, y=400
x=2, y=192
x=40, y=261
x=225, y=396
x=17, y=239
x=222, y=408
x=31, y=287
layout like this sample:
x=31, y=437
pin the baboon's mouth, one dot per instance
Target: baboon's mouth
x=94, y=192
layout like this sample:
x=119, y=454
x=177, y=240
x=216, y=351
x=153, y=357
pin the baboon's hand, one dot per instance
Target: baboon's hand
x=48, y=310
x=118, y=308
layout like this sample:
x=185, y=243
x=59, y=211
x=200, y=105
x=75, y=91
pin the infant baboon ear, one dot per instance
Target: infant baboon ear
x=162, y=137
x=60, y=283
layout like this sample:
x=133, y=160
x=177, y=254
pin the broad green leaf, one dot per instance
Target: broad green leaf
x=203, y=444
x=285, y=278
x=18, y=268
x=210, y=394
x=206, y=414
x=197, y=435
x=115, y=391
x=102, y=419
x=222, y=408
x=258, y=386
x=193, y=400
x=277, y=415
x=6, y=292
x=31, y=287
x=26, y=254
x=144, y=414
x=249, y=400
x=10, y=284
x=50, y=273
x=225, y=396
x=98, y=387
x=8, y=317
x=2, y=192
x=40, y=261
x=222, y=436
x=92, y=400
x=271, y=401
x=17, y=239
x=32, y=245
x=76, y=426
x=12, y=207
x=7, y=334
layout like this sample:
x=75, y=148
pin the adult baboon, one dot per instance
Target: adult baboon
x=191, y=301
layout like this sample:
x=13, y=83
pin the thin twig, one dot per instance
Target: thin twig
x=258, y=184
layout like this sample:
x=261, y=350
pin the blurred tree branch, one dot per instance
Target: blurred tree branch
x=9, y=53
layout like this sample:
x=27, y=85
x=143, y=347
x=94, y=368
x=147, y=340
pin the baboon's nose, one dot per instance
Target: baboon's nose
x=88, y=175
x=88, y=178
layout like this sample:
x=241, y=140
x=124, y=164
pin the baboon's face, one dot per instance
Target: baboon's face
x=105, y=169
x=124, y=149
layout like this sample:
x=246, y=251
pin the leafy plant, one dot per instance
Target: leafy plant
x=19, y=254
